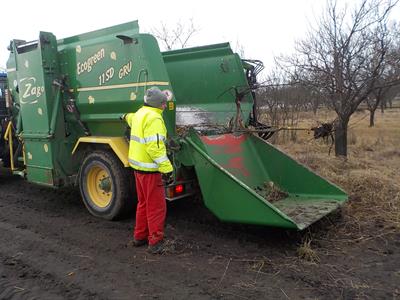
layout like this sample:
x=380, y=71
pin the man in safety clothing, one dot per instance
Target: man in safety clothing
x=148, y=157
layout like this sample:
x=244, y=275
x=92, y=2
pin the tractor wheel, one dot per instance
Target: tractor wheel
x=104, y=184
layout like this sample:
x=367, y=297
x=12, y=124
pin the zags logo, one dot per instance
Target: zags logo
x=31, y=90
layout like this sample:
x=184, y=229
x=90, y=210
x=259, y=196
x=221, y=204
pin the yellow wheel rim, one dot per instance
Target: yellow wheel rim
x=99, y=186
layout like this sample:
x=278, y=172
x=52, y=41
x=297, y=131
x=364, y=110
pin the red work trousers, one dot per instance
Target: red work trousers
x=151, y=208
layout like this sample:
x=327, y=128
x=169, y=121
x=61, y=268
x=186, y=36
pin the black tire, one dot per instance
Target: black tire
x=121, y=199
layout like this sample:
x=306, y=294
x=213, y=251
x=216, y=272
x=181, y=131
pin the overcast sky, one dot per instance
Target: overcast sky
x=264, y=28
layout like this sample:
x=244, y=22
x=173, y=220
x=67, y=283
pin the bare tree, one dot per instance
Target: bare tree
x=386, y=81
x=175, y=37
x=379, y=96
x=334, y=59
x=270, y=97
x=282, y=101
x=382, y=94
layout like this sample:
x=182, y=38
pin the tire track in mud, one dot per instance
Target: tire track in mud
x=64, y=240
x=68, y=266
x=39, y=265
x=57, y=237
x=32, y=286
x=8, y=290
x=43, y=262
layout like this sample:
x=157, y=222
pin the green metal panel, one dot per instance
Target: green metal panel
x=41, y=175
x=48, y=159
x=39, y=163
x=108, y=72
x=203, y=79
x=233, y=169
x=35, y=90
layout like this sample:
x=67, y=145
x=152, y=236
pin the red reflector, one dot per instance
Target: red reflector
x=179, y=188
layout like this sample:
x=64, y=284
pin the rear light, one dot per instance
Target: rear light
x=175, y=191
x=179, y=189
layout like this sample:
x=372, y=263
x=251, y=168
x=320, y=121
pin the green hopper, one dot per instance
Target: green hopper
x=245, y=179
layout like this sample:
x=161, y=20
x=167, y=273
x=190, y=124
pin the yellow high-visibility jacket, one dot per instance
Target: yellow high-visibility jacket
x=147, y=151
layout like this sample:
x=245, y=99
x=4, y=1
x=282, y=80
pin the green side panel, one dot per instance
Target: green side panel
x=36, y=65
x=35, y=86
x=108, y=72
x=39, y=166
x=235, y=173
x=203, y=79
x=38, y=152
x=40, y=175
x=46, y=141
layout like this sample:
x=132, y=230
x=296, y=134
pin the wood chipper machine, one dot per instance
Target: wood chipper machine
x=64, y=102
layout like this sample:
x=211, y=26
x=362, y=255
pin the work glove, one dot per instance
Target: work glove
x=173, y=145
x=167, y=178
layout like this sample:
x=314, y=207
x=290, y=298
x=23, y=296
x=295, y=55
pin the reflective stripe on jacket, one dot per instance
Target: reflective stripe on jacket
x=147, y=151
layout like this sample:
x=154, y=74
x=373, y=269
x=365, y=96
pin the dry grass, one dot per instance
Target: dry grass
x=274, y=192
x=271, y=192
x=306, y=252
x=370, y=174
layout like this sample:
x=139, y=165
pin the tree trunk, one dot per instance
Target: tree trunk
x=341, y=137
x=371, y=118
x=315, y=107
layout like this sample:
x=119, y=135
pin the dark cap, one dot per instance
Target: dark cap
x=155, y=97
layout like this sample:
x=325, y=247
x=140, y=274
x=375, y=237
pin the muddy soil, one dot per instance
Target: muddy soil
x=52, y=248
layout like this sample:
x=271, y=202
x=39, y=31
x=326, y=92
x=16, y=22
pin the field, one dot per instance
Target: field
x=51, y=248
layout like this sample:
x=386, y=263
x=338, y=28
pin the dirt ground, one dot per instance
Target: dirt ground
x=52, y=248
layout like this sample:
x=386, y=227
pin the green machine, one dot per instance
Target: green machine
x=65, y=98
